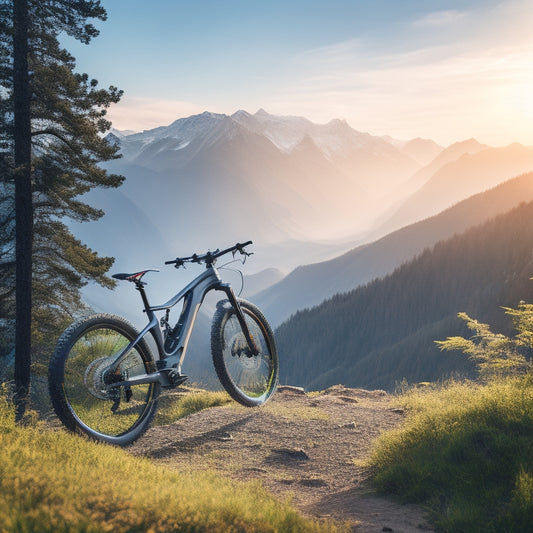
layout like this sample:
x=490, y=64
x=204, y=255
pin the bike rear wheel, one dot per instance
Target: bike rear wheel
x=249, y=379
x=78, y=384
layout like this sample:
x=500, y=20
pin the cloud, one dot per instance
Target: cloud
x=447, y=75
x=441, y=18
x=139, y=113
x=440, y=92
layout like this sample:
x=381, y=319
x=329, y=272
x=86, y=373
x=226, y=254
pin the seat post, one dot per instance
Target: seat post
x=139, y=285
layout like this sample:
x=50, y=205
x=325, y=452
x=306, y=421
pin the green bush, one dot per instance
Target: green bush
x=495, y=354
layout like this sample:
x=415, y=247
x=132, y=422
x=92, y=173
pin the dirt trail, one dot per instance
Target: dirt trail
x=299, y=445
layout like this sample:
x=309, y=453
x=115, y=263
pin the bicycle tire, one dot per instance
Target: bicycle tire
x=250, y=380
x=79, y=395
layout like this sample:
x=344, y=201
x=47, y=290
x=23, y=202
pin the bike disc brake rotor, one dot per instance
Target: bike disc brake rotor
x=240, y=350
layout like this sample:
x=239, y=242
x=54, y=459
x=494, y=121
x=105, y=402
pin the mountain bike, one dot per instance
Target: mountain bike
x=104, y=380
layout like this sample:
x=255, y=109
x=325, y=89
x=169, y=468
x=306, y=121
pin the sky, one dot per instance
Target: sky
x=443, y=70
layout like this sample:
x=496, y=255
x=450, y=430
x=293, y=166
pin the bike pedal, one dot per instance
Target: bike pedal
x=175, y=378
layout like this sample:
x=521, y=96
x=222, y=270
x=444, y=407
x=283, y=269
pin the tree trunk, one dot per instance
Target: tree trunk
x=23, y=205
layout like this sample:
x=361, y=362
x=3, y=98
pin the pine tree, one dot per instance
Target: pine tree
x=52, y=121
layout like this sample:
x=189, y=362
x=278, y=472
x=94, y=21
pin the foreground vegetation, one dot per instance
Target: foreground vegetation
x=466, y=452
x=57, y=481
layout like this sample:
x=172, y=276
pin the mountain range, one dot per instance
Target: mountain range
x=283, y=178
x=455, y=178
x=303, y=192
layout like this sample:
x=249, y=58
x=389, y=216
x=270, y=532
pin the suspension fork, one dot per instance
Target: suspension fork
x=240, y=317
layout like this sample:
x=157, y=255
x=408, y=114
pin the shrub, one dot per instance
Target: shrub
x=494, y=353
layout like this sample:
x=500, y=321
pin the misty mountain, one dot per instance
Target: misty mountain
x=210, y=180
x=477, y=169
x=309, y=285
x=422, y=150
x=384, y=331
x=374, y=163
x=261, y=281
x=445, y=156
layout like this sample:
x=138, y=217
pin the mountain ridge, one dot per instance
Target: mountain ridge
x=218, y=173
x=477, y=168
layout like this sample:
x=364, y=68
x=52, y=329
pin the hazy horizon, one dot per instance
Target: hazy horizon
x=442, y=70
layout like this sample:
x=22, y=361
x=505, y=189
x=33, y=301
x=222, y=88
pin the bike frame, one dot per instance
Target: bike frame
x=193, y=296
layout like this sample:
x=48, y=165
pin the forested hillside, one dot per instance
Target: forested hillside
x=384, y=331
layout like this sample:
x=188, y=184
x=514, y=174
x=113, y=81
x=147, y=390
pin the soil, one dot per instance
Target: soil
x=306, y=447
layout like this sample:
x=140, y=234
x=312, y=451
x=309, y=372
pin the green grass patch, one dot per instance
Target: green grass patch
x=57, y=481
x=466, y=451
x=174, y=406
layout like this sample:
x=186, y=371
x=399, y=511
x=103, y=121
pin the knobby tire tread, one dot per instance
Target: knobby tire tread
x=223, y=313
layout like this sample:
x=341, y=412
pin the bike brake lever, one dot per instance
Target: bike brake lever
x=242, y=251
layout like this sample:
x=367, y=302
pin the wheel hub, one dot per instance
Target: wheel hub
x=239, y=348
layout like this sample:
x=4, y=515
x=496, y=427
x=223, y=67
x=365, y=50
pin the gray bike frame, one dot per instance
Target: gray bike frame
x=192, y=295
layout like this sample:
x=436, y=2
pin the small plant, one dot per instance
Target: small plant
x=494, y=353
x=7, y=410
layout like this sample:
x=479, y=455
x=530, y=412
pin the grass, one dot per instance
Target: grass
x=466, y=452
x=172, y=407
x=57, y=481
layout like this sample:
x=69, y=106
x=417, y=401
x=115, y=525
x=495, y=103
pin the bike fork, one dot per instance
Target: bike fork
x=240, y=317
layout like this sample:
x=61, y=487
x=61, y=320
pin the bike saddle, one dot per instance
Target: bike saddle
x=135, y=277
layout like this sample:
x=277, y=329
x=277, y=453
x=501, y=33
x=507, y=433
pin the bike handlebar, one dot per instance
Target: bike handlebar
x=209, y=258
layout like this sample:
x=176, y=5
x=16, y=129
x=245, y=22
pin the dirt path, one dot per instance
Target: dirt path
x=298, y=445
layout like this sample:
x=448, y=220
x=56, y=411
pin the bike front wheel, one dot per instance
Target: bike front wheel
x=249, y=379
x=79, y=380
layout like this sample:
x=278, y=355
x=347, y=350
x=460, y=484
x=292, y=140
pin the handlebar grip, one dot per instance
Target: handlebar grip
x=242, y=245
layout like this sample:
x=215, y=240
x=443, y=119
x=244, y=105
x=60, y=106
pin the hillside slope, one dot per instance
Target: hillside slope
x=384, y=331
x=311, y=284
x=445, y=156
